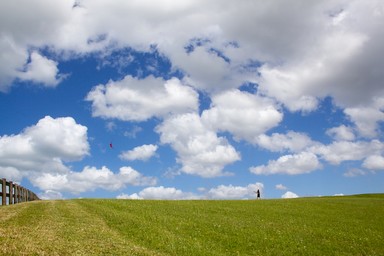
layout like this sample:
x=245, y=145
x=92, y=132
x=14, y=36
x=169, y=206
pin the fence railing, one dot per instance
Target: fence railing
x=11, y=193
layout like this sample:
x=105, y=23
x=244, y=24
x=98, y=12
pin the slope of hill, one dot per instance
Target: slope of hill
x=350, y=225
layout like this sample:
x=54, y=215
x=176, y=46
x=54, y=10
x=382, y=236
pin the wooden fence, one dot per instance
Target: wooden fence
x=15, y=193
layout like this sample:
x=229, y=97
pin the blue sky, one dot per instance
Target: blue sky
x=199, y=100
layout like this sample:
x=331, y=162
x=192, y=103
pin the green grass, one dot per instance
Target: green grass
x=305, y=226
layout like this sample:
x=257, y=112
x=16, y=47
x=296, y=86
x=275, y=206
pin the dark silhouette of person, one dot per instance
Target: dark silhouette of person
x=258, y=194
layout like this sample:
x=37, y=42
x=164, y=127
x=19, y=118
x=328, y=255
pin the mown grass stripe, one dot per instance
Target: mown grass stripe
x=60, y=228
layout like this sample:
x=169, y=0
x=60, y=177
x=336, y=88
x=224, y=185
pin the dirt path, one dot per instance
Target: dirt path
x=59, y=228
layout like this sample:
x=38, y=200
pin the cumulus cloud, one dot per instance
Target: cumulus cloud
x=143, y=153
x=91, y=178
x=309, y=78
x=40, y=29
x=303, y=162
x=163, y=193
x=308, y=160
x=12, y=57
x=289, y=194
x=133, y=132
x=134, y=196
x=273, y=82
x=200, y=151
x=41, y=70
x=235, y=192
x=340, y=151
x=374, y=162
x=291, y=141
x=134, y=99
x=44, y=147
x=367, y=118
x=354, y=172
x=207, y=69
x=322, y=68
x=341, y=133
x=242, y=114
x=280, y=187
x=131, y=176
x=11, y=173
x=50, y=195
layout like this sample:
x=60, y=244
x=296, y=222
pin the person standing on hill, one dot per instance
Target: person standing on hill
x=258, y=194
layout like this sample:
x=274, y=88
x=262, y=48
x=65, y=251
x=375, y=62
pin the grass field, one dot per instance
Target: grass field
x=350, y=225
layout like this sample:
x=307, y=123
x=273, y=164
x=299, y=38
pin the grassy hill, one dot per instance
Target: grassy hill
x=350, y=225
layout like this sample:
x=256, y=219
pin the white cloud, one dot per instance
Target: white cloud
x=243, y=114
x=11, y=57
x=11, y=173
x=280, y=187
x=322, y=69
x=199, y=149
x=291, y=141
x=275, y=83
x=235, y=192
x=335, y=153
x=374, y=162
x=91, y=178
x=110, y=126
x=133, y=132
x=129, y=175
x=161, y=192
x=341, y=133
x=205, y=69
x=143, y=153
x=60, y=137
x=50, y=195
x=340, y=151
x=30, y=30
x=138, y=100
x=289, y=194
x=303, y=162
x=366, y=119
x=308, y=79
x=354, y=172
x=134, y=196
x=44, y=147
x=34, y=28
x=41, y=70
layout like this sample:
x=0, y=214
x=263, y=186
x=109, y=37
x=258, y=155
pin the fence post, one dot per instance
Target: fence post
x=24, y=195
x=10, y=192
x=19, y=194
x=4, y=190
x=16, y=195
